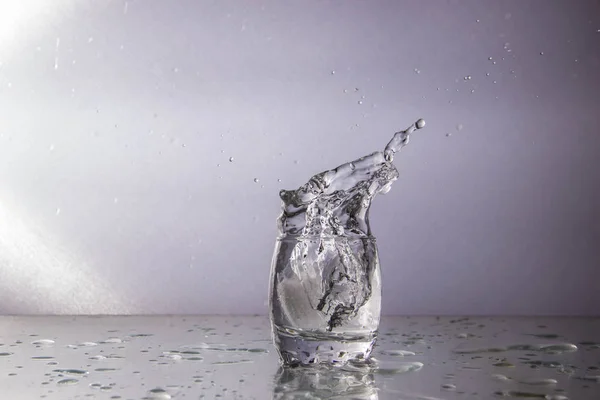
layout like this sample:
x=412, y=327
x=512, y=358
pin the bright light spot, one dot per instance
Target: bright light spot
x=20, y=17
x=39, y=275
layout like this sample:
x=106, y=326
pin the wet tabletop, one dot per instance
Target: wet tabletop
x=193, y=357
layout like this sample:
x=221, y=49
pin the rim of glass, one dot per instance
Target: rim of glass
x=299, y=237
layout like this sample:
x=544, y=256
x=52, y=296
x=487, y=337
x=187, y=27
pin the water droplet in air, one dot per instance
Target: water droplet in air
x=487, y=74
x=230, y=159
x=360, y=102
x=448, y=134
x=541, y=53
x=278, y=180
x=490, y=58
x=333, y=72
x=256, y=180
x=420, y=123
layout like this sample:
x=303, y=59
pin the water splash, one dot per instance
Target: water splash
x=336, y=202
x=327, y=215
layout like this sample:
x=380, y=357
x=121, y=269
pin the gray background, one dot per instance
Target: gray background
x=118, y=119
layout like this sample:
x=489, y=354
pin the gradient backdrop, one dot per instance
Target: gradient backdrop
x=118, y=120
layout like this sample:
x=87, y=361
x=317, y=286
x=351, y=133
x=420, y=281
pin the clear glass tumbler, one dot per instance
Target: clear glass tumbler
x=325, y=298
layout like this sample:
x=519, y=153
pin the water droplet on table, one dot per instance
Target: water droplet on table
x=43, y=342
x=399, y=368
x=398, y=353
x=67, y=382
x=539, y=382
x=519, y=394
x=71, y=371
x=158, y=393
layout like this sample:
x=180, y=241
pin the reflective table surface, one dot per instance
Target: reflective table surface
x=216, y=357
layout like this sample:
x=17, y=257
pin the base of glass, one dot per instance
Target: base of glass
x=316, y=348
